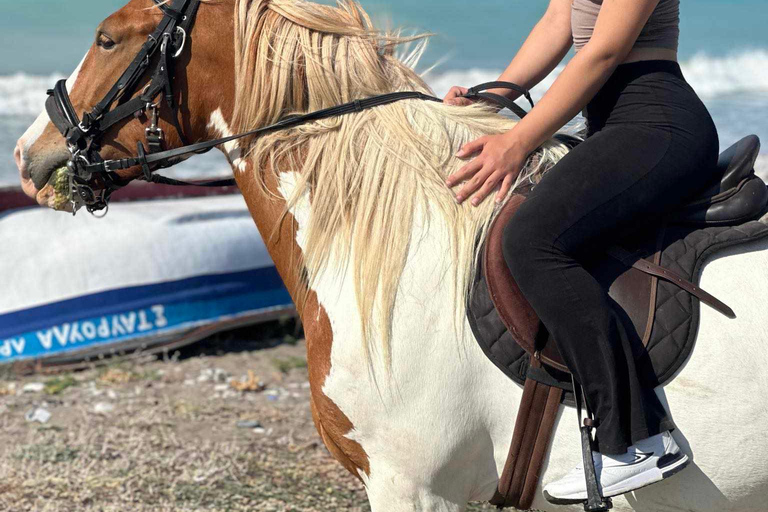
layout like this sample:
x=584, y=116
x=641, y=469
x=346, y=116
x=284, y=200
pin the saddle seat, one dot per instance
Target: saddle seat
x=737, y=197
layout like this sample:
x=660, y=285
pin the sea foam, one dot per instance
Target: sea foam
x=742, y=72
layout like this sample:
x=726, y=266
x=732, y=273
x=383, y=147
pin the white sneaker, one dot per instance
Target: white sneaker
x=646, y=462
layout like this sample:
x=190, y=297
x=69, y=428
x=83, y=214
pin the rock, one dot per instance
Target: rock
x=111, y=394
x=103, y=408
x=39, y=415
x=221, y=387
x=33, y=387
x=212, y=375
x=249, y=424
x=259, y=430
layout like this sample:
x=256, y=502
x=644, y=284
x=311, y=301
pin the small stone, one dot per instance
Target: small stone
x=103, y=408
x=33, y=387
x=111, y=394
x=213, y=375
x=39, y=415
x=259, y=430
x=221, y=387
x=189, y=382
x=249, y=424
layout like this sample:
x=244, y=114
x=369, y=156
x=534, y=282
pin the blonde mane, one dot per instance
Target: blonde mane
x=367, y=173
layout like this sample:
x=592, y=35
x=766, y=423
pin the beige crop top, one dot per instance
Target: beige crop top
x=661, y=31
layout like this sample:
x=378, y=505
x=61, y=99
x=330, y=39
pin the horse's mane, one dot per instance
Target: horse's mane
x=368, y=173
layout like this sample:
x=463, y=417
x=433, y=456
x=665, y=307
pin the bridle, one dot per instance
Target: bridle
x=92, y=180
x=83, y=135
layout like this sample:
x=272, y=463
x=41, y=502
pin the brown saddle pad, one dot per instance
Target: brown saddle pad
x=661, y=318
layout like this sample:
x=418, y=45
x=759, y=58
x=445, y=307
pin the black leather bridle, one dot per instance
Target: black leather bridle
x=83, y=135
x=92, y=180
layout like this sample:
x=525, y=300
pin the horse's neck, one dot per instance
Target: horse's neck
x=433, y=366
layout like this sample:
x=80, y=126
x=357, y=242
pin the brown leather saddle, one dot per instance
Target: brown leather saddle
x=651, y=275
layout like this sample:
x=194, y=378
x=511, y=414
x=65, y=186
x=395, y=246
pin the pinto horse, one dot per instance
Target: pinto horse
x=378, y=257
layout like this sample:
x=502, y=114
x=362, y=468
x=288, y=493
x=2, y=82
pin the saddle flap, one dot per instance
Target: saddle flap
x=513, y=308
x=632, y=291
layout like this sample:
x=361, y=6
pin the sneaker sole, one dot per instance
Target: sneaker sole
x=664, y=470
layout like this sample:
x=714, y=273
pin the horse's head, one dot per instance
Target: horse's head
x=202, y=84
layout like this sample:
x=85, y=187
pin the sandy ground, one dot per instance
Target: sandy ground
x=224, y=425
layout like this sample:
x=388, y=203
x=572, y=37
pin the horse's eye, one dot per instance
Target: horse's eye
x=103, y=41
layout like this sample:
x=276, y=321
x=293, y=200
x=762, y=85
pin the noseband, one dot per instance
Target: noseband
x=92, y=180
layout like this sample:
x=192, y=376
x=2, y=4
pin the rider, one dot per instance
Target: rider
x=651, y=145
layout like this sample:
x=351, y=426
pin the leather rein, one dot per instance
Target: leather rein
x=92, y=180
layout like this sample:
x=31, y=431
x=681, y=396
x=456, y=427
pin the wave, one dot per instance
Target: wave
x=24, y=95
x=741, y=72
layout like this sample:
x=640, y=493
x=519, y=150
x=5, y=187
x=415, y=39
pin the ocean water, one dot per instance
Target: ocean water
x=723, y=53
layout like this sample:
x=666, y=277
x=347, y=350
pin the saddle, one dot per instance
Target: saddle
x=650, y=274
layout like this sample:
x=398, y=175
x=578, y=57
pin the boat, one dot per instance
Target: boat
x=164, y=269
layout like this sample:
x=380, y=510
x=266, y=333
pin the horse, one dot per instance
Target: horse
x=378, y=256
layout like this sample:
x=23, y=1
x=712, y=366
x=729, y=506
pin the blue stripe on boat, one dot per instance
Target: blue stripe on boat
x=130, y=312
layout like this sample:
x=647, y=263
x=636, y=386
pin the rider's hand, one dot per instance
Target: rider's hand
x=454, y=97
x=499, y=160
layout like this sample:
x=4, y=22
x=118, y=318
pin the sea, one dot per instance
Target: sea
x=723, y=54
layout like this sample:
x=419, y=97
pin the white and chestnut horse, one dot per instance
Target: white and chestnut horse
x=378, y=256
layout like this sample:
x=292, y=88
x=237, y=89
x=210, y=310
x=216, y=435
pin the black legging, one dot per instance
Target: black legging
x=651, y=146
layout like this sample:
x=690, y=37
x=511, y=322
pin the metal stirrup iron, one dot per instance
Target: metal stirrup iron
x=595, y=500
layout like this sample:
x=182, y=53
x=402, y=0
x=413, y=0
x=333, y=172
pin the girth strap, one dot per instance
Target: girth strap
x=530, y=444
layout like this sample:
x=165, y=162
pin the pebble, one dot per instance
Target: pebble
x=33, y=387
x=111, y=394
x=221, y=387
x=249, y=424
x=103, y=408
x=213, y=375
x=39, y=415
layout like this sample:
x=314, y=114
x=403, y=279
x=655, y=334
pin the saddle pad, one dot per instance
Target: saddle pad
x=685, y=249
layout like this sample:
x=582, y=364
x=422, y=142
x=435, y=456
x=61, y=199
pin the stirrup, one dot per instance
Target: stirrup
x=595, y=500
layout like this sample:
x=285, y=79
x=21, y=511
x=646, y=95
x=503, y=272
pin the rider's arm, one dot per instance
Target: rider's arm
x=502, y=156
x=542, y=51
x=617, y=28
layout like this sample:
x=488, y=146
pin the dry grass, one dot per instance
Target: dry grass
x=172, y=443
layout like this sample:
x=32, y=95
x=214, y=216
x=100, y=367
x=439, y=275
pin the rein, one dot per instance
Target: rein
x=92, y=180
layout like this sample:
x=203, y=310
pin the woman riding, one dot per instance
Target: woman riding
x=651, y=144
